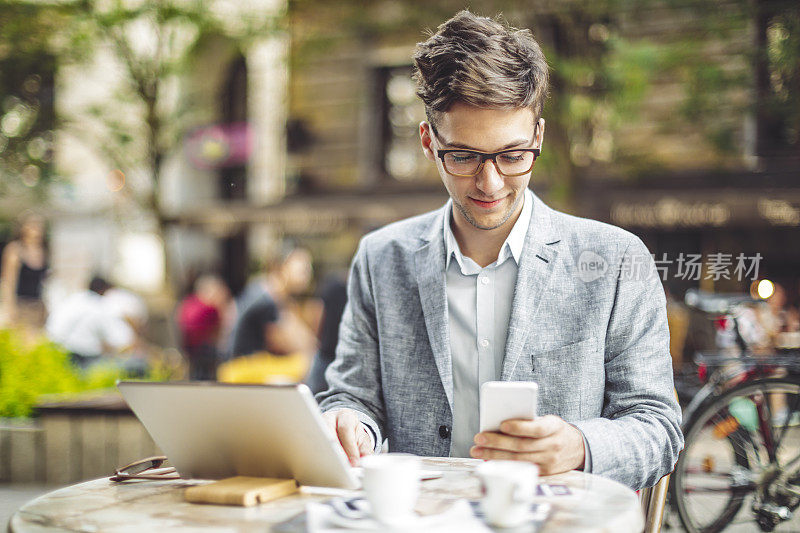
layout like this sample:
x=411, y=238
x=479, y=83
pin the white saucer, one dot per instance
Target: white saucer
x=371, y=524
x=412, y=523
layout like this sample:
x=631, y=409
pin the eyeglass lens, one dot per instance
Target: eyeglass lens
x=467, y=163
x=141, y=466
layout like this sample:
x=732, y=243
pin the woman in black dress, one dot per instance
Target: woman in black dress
x=24, y=268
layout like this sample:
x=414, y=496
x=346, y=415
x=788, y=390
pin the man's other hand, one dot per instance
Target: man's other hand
x=354, y=436
x=548, y=441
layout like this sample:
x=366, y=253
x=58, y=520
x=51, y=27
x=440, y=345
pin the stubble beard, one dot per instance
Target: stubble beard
x=469, y=218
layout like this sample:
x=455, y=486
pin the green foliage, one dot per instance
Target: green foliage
x=629, y=69
x=783, y=59
x=30, y=369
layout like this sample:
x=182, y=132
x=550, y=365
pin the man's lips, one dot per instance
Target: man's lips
x=486, y=205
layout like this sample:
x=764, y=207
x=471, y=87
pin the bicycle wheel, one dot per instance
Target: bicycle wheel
x=732, y=469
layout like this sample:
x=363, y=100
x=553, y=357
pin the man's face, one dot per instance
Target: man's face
x=297, y=271
x=487, y=200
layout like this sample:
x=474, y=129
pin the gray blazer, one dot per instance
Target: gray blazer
x=588, y=324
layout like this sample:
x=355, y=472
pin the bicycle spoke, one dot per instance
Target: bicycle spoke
x=747, y=444
x=790, y=463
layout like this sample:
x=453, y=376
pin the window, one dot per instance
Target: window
x=401, y=111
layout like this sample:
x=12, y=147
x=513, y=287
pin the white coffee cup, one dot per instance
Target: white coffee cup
x=391, y=483
x=508, y=491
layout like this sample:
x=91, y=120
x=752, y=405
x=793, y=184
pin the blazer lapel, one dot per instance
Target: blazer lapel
x=429, y=262
x=534, y=275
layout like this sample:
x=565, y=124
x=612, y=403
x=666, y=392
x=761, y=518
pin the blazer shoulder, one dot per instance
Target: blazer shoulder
x=586, y=233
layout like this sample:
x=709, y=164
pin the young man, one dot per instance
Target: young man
x=498, y=286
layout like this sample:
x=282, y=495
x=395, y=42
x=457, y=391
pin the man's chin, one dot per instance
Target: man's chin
x=489, y=222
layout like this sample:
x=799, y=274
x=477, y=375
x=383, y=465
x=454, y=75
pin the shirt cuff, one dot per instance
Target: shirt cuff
x=587, y=458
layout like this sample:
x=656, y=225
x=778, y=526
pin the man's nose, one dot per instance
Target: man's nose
x=488, y=180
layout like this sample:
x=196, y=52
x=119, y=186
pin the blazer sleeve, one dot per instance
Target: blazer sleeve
x=354, y=377
x=638, y=438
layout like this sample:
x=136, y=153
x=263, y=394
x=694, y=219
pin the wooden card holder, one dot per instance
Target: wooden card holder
x=240, y=490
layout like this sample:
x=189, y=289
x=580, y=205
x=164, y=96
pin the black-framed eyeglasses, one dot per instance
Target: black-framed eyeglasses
x=509, y=163
x=149, y=468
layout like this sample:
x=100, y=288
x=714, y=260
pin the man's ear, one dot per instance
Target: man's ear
x=539, y=134
x=426, y=139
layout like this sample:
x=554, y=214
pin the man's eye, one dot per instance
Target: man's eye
x=465, y=157
x=513, y=157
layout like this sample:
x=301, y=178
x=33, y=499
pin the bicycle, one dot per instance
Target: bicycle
x=741, y=459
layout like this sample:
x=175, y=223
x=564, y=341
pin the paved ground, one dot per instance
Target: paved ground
x=12, y=497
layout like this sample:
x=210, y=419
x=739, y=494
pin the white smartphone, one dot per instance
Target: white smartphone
x=503, y=400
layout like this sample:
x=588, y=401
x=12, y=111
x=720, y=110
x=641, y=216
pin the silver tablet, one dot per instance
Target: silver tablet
x=220, y=430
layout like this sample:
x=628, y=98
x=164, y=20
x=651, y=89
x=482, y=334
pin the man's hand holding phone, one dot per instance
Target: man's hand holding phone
x=510, y=429
x=555, y=445
x=354, y=437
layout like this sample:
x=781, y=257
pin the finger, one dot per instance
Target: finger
x=364, y=442
x=499, y=455
x=500, y=441
x=346, y=431
x=546, y=460
x=537, y=428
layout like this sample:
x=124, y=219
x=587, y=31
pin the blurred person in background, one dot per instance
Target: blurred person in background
x=751, y=329
x=268, y=316
x=126, y=306
x=83, y=324
x=777, y=318
x=333, y=294
x=678, y=323
x=200, y=321
x=131, y=310
x=24, y=269
x=779, y=323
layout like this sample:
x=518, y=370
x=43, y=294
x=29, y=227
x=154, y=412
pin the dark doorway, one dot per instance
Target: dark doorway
x=233, y=178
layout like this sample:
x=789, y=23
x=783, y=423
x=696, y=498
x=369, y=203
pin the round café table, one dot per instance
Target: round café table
x=595, y=504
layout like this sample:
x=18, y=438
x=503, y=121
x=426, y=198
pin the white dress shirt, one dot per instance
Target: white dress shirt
x=83, y=324
x=478, y=311
x=479, y=308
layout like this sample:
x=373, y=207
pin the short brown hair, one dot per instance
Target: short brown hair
x=482, y=62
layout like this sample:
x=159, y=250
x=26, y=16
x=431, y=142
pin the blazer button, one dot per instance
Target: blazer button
x=444, y=432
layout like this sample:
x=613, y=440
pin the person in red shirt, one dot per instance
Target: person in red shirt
x=200, y=321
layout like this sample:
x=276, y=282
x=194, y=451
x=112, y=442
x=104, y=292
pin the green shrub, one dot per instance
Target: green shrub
x=29, y=369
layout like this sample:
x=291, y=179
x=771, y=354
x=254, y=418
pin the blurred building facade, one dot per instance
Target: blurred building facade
x=674, y=120
x=311, y=133
x=230, y=150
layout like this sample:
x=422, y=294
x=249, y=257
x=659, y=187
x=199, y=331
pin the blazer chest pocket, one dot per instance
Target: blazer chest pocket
x=572, y=352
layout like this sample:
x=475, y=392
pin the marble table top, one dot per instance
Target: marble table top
x=596, y=504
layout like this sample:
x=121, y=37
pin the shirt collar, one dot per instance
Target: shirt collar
x=512, y=246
